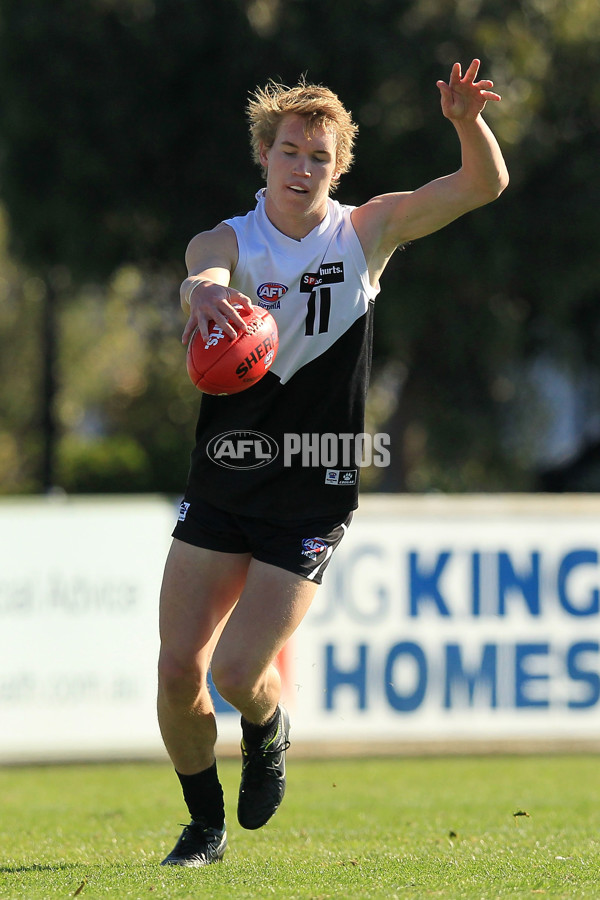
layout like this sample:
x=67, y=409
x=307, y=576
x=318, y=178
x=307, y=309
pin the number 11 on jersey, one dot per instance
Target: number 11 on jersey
x=319, y=301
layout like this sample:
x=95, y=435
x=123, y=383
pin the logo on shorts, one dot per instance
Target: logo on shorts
x=270, y=293
x=312, y=547
x=242, y=450
x=341, y=476
x=183, y=511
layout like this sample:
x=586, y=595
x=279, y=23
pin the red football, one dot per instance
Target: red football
x=223, y=365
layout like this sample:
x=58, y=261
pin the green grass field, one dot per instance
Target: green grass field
x=373, y=828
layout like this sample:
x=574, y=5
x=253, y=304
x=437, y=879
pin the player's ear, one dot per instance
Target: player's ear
x=264, y=154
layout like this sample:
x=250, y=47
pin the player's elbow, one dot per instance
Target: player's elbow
x=496, y=186
x=490, y=190
x=501, y=182
x=479, y=189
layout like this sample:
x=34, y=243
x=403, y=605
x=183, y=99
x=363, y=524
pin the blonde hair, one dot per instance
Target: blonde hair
x=319, y=107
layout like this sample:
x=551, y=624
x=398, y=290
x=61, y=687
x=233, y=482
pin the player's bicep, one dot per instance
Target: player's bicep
x=402, y=217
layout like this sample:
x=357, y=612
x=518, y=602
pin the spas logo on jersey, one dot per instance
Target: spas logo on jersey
x=270, y=293
x=329, y=273
x=312, y=547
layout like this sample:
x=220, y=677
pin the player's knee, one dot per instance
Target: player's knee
x=233, y=680
x=179, y=681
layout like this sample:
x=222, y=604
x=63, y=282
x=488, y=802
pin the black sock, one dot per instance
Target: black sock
x=203, y=795
x=254, y=735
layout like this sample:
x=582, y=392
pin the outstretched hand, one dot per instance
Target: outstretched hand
x=464, y=98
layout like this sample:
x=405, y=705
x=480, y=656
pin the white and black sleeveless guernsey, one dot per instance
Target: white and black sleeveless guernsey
x=280, y=449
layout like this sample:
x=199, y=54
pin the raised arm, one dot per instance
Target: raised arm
x=389, y=220
x=210, y=258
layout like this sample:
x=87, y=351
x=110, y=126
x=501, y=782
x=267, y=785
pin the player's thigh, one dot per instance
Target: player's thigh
x=271, y=606
x=200, y=587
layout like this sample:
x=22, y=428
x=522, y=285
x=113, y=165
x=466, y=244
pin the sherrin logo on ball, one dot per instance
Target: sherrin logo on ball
x=222, y=365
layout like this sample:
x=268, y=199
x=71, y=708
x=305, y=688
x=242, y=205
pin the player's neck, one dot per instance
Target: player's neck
x=293, y=226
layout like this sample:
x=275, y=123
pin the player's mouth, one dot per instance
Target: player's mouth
x=297, y=189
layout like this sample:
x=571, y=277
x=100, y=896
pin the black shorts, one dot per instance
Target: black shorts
x=303, y=546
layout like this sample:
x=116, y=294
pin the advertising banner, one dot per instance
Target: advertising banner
x=444, y=618
x=440, y=619
x=79, y=583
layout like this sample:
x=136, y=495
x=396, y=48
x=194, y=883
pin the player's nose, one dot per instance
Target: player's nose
x=302, y=168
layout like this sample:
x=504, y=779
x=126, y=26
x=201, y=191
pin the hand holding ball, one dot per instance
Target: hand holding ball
x=223, y=365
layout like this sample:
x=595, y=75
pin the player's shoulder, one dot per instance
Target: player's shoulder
x=219, y=242
x=221, y=233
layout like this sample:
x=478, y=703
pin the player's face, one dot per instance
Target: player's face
x=299, y=174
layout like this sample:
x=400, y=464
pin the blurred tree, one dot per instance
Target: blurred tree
x=21, y=299
x=122, y=134
x=117, y=141
x=126, y=405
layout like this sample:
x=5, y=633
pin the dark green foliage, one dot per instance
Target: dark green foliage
x=122, y=134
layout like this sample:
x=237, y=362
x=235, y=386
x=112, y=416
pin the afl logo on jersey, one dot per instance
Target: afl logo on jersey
x=242, y=450
x=270, y=293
